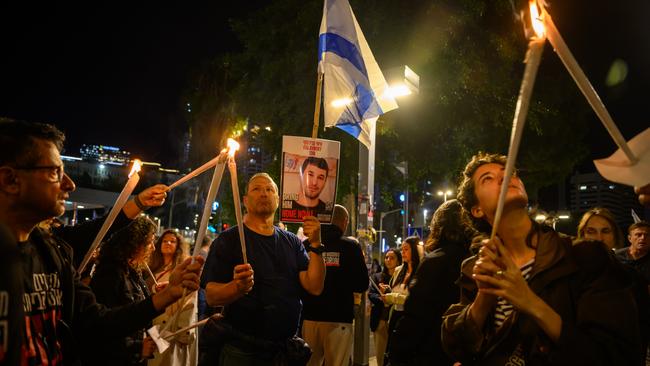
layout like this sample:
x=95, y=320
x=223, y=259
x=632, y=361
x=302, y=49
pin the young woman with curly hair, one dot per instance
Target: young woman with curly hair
x=117, y=281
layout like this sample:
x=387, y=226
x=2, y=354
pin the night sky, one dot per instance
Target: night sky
x=109, y=75
x=113, y=75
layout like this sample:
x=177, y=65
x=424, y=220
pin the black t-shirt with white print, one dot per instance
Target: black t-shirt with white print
x=42, y=304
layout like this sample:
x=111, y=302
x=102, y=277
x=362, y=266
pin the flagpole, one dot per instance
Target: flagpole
x=319, y=87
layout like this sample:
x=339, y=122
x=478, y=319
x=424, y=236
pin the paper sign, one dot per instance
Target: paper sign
x=309, y=178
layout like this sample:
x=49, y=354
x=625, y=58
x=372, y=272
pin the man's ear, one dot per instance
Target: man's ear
x=477, y=212
x=8, y=180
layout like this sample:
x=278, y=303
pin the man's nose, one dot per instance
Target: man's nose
x=67, y=184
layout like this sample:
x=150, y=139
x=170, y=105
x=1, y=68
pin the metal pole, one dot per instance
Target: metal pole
x=319, y=88
x=382, y=216
x=381, y=232
x=366, y=192
x=406, y=201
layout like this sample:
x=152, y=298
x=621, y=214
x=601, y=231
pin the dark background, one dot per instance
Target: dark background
x=115, y=74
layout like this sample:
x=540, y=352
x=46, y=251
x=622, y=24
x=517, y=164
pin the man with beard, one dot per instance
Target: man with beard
x=261, y=315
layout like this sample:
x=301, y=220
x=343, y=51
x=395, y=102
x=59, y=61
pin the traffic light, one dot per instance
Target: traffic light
x=401, y=212
x=401, y=197
x=224, y=226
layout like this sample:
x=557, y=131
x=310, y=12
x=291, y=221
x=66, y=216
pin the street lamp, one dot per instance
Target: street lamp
x=444, y=194
x=381, y=224
x=403, y=167
x=366, y=189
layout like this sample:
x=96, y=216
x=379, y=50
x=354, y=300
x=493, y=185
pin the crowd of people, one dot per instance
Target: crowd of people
x=530, y=295
x=527, y=296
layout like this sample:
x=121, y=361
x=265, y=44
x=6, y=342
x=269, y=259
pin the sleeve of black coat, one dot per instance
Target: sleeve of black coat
x=92, y=318
x=461, y=337
x=108, y=286
x=373, y=295
x=110, y=289
x=81, y=236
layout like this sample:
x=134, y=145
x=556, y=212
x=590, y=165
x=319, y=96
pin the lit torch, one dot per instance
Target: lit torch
x=585, y=86
x=233, y=146
x=207, y=208
x=212, y=194
x=134, y=178
x=533, y=58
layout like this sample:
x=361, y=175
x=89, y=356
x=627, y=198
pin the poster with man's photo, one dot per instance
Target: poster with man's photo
x=309, y=178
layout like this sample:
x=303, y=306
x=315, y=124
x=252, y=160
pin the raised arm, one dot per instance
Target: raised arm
x=313, y=279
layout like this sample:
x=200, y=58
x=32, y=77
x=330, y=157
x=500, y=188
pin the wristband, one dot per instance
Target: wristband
x=317, y=250
x=139, y=203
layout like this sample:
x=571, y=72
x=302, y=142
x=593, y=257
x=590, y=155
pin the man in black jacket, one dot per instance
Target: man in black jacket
x=57, y=307
x=327, y=325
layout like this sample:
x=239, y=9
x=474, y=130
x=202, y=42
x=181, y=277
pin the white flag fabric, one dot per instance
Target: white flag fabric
x=355, y=91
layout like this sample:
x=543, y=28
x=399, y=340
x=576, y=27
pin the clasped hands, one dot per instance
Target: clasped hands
x=497, y=275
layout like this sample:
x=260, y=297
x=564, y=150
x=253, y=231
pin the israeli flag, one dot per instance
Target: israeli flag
x=355, y=91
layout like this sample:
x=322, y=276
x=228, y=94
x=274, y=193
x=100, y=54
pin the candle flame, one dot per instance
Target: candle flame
x=137, y=164
x=537, y=20
x=232, y=147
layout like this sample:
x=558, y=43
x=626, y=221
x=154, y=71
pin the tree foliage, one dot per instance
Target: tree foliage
x=469, y=55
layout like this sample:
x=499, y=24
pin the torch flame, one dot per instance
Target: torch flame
x=232, y=147
x=536, y=20
x=137, y=164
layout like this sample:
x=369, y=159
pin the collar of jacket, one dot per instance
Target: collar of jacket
x=551, y=252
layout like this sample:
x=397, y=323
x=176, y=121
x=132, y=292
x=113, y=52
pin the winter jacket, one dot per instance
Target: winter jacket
x=82, y=316
x=584, y=284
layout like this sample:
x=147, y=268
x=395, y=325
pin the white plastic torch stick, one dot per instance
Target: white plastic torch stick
x=232, y=166
x=134, y=178
x=533, y=58
x=585, y=86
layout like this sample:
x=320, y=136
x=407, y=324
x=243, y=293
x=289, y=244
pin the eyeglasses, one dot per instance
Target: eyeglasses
x=56, y=171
